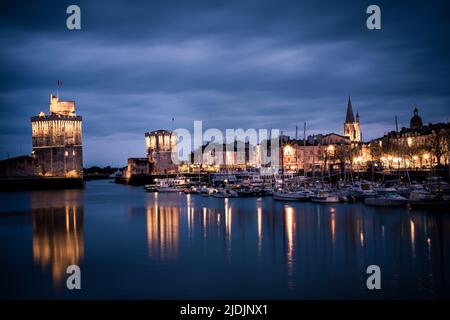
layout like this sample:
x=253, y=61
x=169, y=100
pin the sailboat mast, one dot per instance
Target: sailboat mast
x=398, y=149
x=304, y=149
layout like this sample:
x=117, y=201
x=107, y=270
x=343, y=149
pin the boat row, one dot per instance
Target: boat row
x=433, y=194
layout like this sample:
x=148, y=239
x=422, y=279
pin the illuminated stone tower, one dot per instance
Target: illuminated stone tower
x=160, y=145
x=57, y=147
x=352, y=128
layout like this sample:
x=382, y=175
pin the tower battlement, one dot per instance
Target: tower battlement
x=61, y=108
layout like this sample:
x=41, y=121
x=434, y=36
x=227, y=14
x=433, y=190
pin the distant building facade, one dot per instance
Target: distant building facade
x=419, y=146
x=233, y=156
x=57, y=141
x=316, y=153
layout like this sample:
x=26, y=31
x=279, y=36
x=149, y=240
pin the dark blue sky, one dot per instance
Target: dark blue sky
x=232, y=64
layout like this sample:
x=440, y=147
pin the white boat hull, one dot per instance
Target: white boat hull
x=330, y=199
x=289, y=197
x=168, y=189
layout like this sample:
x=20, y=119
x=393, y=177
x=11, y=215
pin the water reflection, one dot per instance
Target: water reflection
x=228, y=225
x=57, y=231
x=412, y=231
x=307, y=245
x=190, y=246
x=290, y=232
x=333, y=226
x=259, y=213
x=162, y=230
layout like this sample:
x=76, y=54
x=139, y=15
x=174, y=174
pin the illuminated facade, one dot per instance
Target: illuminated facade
x=319, y=153
x=417, y=147
x=56, y=141
x=220, y=156
x=161, y=145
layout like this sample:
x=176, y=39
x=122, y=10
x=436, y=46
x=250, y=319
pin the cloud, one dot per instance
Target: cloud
x=261, y=64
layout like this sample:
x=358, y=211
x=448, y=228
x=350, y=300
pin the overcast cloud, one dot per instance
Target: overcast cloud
x=232, y=64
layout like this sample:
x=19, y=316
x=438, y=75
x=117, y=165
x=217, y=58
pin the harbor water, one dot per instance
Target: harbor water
x=130, y=244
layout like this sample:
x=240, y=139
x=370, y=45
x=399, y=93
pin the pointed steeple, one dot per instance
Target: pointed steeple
x=357, y=116
x=349, y=118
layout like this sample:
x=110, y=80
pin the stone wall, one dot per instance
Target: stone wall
x=22, y=166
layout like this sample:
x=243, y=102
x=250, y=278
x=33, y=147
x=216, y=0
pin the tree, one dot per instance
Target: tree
x=437, y=144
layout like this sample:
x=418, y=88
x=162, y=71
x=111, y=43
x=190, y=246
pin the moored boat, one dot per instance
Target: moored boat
x=428, y=200
x=289, y=196
x=169, y=189
x=325, y=197
x=151, y=187
x=172, y=184
x=386, y=197
x=224, y=193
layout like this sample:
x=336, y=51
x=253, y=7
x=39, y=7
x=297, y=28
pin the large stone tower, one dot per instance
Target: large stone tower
x=160, y=145
x=352, y=127
x=57, y=147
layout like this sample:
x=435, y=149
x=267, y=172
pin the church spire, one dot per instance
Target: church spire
x=349, y=118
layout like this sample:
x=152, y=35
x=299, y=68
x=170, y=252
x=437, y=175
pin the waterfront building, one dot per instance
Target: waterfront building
x=234, y=156
x=419, y=146
x=324, y=152
x=57, y=140
x=321, y=152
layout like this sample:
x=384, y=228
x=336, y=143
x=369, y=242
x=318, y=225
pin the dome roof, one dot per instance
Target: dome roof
x=416, y=120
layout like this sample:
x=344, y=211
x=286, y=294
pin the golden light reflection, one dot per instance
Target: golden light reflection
x=227, y=220
x=413, y=246
x=162, y=232
x=290, y=230
x=361, y=238
x=188, y=207
x=204, y=222
x=259, y=210
x=333, y=226
x=58, y=240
